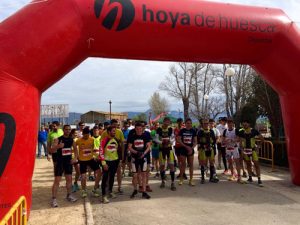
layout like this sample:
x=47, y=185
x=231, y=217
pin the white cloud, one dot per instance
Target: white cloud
x=128, y=83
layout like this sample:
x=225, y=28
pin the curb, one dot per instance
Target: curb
x=89, y=219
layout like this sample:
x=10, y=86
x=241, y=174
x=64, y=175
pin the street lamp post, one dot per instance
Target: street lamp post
x=230, y=72
x=206, y=97
x=110, y=109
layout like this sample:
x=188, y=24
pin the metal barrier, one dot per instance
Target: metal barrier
x=266, y=151
x=17, y=215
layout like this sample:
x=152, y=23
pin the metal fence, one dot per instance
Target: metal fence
x=17, y=215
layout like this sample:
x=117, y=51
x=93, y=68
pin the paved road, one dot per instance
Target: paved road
x=223, y=203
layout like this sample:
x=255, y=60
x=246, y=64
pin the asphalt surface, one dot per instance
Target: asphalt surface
x=278, y=202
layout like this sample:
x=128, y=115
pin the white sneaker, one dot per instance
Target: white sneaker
x=71, y=198
x=54, y=203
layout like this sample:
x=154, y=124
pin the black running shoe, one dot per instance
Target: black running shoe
x=250, y=180
x=145, y=195
x=134, y=193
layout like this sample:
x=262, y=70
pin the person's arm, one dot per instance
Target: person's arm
x=56, y=145
x=156, y=139
x=131, y=149
x=194, y=142
x=102, y=154
x=75, y=160
x=148, y=148
x=76, y=151
x=172, y=138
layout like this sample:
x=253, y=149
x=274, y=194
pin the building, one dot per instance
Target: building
x=99, y=116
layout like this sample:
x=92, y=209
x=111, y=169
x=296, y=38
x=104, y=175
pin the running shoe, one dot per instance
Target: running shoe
x=96, y=192
x=180, y=182
x=260, y=183
x=191, y=182
x=156, y=175
x=231, y=178
x=83, y=193
x=123, y=174
x=134, y=193
x=105, y=199
x=54, y=203
x=71, y=198
x=112, y=195
x=250, y=180
x=91, y=178
x=129, y=174
x=244, y=174
x=145, y=195
x=214, y=179
x=173, y=188
x=226, y=172
x=202, y=181
x=163, y=184
x=148, y=189
x=75, y=187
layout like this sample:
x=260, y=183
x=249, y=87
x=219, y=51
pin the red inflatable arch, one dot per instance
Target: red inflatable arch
x=46, y=40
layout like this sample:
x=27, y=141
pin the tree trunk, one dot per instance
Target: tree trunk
x=186, y=104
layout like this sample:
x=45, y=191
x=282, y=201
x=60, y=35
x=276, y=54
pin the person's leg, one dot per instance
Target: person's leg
x=162, y=169
x=83, y=181
x=202, y=163
x=83, y=169
x=115, y=165
x=182, y=165
x=55, y=186
x=191, y=168
x=77, y=174
x=39, y=149
x=97, y=178
x=249, y=167
x=45, y=148
x=119, y=176
x=223, y=151
x=68, y=183
x=219, y=155
x=104, y=182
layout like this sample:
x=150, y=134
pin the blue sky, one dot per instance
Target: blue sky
x=86, y=87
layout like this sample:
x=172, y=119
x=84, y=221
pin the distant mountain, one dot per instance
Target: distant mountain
x=175, y=114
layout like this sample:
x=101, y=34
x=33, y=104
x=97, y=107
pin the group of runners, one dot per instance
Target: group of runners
x=104, y=152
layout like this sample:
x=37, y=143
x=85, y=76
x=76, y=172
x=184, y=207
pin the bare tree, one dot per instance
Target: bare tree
x=178, y=84
x=237, y=89
x=204, y=83
x=216, y=106
x=158, y=104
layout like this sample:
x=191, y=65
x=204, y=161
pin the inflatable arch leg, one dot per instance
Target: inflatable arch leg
x=44, y=41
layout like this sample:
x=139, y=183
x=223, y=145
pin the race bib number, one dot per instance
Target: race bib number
x=111, y=147
x=86, y=152
x=248, y=151
x=66, y=151
x=187, y=140
x=139, y=144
